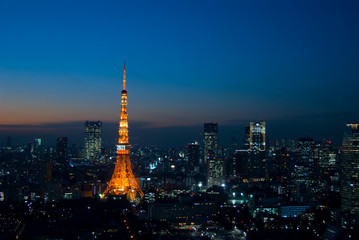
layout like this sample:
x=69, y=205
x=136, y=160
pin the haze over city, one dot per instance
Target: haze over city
x=291, y=64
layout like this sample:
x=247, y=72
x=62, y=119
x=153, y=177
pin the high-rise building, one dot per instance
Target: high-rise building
x=210, y=142
x=350, y=173
x=37, y=144
x=323, y=160
x=305, y=169
x=92, y=141
x=123, y=182
x=282, y=165
x=240, y=163
x=257, y=136
x=192, y=152
x=37, y=148
x=214, y=164
x=61, y=149
x=246, y=139
x=255, y=143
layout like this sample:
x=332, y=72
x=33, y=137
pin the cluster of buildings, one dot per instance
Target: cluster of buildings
x=202, y=184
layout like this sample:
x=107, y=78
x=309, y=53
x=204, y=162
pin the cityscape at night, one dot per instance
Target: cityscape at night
x=179, y=120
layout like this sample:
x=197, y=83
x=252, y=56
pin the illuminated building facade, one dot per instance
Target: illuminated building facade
x=257, y=136
x=37, y=143
x=214, y=165
x=210, y=141
x=123, y=181
x=305, y=167
x=255, y=143
x=350, y=172
x=92, y=141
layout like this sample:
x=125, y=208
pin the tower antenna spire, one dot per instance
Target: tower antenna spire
x=124, y=74
x=123, y=181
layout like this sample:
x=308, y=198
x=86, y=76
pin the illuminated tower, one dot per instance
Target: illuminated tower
x=123, y=181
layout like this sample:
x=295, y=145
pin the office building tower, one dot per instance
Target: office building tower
x=246, y=139
x=323, y=161
x=36, y=147
x=210, y=142
x=257, y=136
x=350, y=173
x=92, y=141
x=45, y=173
x=240, y=163
x=214, y=164
x=29, y=150
x=192, y=153
x=255, y=143
x=37, y=143
x=305, y=170
x=306, y=162
x=282, y=165
x=61, y=149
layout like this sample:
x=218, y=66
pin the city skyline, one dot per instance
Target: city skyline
x=292, y=65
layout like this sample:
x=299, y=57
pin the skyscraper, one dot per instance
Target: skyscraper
x=282, y=165
x=193, y=156
x=210, y=141
x=61, y=149
x=350, y=172
x=92, y=141
x=255, y=143
x=37, y=143
x=305, y=167
x=214, y=165
x=257, y=136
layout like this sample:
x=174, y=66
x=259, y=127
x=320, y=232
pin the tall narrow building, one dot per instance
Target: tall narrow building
x=214, y=164
x=192, y=153
x=350, y=173
x=123, y=182
x=92, y=141
x=255, y=143
x=37, y=144
x=210, y=142
x=305, y=169
x=61, y=149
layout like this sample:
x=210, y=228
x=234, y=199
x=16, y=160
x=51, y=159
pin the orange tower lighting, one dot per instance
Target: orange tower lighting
x=123, y=181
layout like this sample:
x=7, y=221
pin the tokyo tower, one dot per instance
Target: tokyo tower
x=123, y=181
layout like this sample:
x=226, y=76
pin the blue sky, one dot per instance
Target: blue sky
x=290, y=63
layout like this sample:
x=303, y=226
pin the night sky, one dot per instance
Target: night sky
x=293, y=64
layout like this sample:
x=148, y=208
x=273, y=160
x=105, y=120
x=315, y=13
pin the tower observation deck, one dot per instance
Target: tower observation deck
x=123, y=181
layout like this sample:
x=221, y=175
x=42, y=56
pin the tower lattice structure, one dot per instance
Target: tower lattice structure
x=123, y=181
